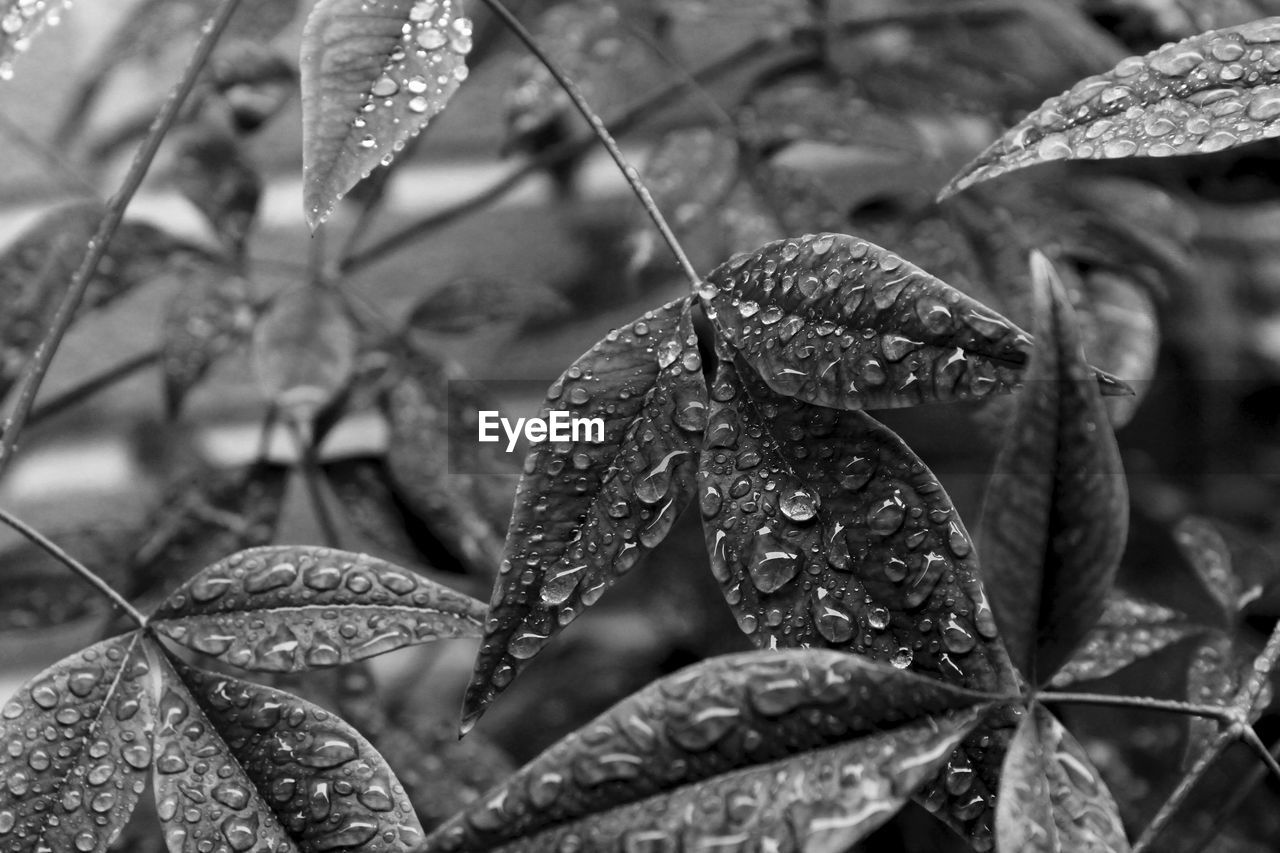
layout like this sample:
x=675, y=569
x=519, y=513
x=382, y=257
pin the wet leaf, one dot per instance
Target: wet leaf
x=1210, y=92
x=587, y=510
x=1128, y=631
x=729, y=749
x=78, y=748
x=209, y=316
x=1052, y=799
x=471, y=303
x=825, y=529
x=1209, y=557
x=364, y=492
x=372, y=76
x=212, y=171
x=291, y=608
x=1215, y=674
x=304, y=351
x=261, y=769
x=1056, y=512
x=21, y=21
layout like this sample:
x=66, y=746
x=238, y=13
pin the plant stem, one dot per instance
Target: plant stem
x=1251, y=738
x=1180, y=793
x=602, y=133
x=309, y=465
x=1228, y=809
x=34, y=372
x=1146, y=703
x=53, y=550
x=98, y=382
x=1263, y=665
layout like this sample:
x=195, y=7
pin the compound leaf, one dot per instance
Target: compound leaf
x=372, y=76
x=203, y=321
x=825, y=529
x=661, y=766
x=1213, y=91
x=1052, y=799
x=1056, y=512
x=77, y=749
x=290, y=608
x=1128, y=631
x=263, y=769
x=586, y=510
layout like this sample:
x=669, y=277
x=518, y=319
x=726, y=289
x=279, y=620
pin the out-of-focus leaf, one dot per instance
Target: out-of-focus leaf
x=1120, y=332
x=1056, y=512
x=364, y=493
x=587, y=509
x=78, y=748
x=1209, y=557
x=20, y=21
x=153, y=26
x=290, y=608
x=1052, y=799
x=825, y=529
x=371, y=79
x=38, y=593
x=1214, y=675
x=211, y=314
x=254, y=79
x=1213, y=91
x=729, y=749
x=211, y=170
x=261, y=769
x=304, y=351
x=470, y=303
x=1128, y=631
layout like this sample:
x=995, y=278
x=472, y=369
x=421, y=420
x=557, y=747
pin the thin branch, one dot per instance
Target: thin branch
x=602, y=133
x=309, y=465
x=34, y=372
x=1250, y=737
x=1263, y=665
x=1232, y=805
x=53, y=550
x=66, y=174
x=1181, y=792
x=94, y=384
x=1146, y=703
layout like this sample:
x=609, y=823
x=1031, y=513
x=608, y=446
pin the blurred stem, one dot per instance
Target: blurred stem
x=1251, y=738
x=313, y=477
x=1180, y=793
x=86, y=388
x=1146, y=703
x=34, y=372
x=53, y=550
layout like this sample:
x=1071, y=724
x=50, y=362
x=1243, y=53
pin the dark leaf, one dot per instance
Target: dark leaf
x=212, y=171
x=1214, y=676
x=77, y=750
x=586, y=510
x=364, y=492
x=261, y=769
x=210, y=315
x=1128, y=631
x=1056, y=511
x=20, y=21
x=825, y=529
x=1213, y=91
x=471, y=303
x=290, y=608
x=371, y=79
x=807, y=749
x=1052, y=799
x=255, y=80
x=1209, y=557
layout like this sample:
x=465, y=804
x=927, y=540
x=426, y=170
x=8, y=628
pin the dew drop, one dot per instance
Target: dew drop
x=799, y=504
x=902, y=658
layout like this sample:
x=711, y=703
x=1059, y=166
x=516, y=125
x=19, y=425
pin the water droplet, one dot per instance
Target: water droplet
x=81, y=681
x=886, y=517
x=7, y=821
x=902, y=658
x=328, y=749
x=702, y=728
x=137, y=755
x=432, y=39
x=385, y=87
x=85, y=841
x=171, y=759
x=773, y=563
x=878, y=617
x=653, y=486
x=241, y=831
x=956, y=636
x=799, y=504
x=832, y=620
x=44, y=694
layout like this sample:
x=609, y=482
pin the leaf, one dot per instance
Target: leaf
x=1213, y=91
x=256, y=81
x=730, y=749
x=586, y=511
x=1056, y=513
x=473, y=303
x=262, y=769
x=825, y=529
x=371, y=79
x=291, y=608
x=1214, y=676
x=304, y=351
x=1209, y=557
x=78, y=748
x=36, y=592
x=1052, y=798
x=364, y=492
x=1128, y=631
x=212, y=172
x=20, y=21
x=209, y=316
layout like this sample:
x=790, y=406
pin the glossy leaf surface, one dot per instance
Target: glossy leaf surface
x=261, y=769
x=1056, y=512
x=1052, y=799
x=202, y=322
x=661, y=766
x=1213, y=91
x=77, y=750
x=1128, y=631
x=373, y=74
x=290, y=608
x=586, y=511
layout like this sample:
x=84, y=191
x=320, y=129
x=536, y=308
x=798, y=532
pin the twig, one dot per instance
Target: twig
x=34, y=372
x=94, y=384
x=1251, y=738
x=1231, y=806
x=1147, y=703
x=53, y=550
x=1180, y=793
x=311, y=475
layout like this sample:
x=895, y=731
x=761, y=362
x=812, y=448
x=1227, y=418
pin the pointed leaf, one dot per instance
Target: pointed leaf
x=1213, y=91
x=737, y=730
x=1052, y=799
x=290, y=608
x=20, y=21
x=587, y=510
x=371, y=79
x=78, y=748
x=212, y=171
x=202, y=322
x=1210, y=558
x=261, y=769
x=825, y=529
x=1128, y=631
x=1056, y=512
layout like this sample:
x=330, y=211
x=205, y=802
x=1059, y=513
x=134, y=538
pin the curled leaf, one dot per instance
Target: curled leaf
x=589, y=508
x=78, y=748
x=291, y=608
x=1210, y=92
x=1128, y=631
x=731, y=730
x=371, y=79
x=1056, y=512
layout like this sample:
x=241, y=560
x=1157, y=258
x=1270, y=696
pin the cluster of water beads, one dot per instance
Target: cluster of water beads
x=20, y=23
x=1128, y=630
